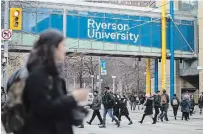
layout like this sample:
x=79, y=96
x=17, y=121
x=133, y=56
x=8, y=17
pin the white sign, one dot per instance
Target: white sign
x=111, y=31
x=6, y=34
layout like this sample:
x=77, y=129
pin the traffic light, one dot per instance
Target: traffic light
x=15, y=18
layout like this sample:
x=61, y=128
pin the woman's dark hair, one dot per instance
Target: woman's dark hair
x=43, y=53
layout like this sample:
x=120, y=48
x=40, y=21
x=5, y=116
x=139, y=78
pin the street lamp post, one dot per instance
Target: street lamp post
x=114, y=78
x=84, y=83
x=92, y=77
x=74, y=82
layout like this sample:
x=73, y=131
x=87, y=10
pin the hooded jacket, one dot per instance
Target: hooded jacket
x=96, y=104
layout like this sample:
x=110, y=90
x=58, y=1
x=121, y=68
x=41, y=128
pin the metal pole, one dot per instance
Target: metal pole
x=114, y=83
x=74, y=83
x=6, y=22
x=156, y=76
x=99, y=75
x=138, y=77
x=148, y=77
x=171, y=49
x=92, y=76
x=84, y=84
x=163, y=25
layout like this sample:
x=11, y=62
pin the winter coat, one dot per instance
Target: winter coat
x=200, y=102
x=174, y=105
x=108, y=100
x=116, y=102
x=185, y=106
x=116, y=106
x=192, y=103
x=142, y=100
x=123, y=106
x=132, y=98
x=166, y=105
x=157, y=100
x=96, y=104
x=149, y=106
x=48, y=106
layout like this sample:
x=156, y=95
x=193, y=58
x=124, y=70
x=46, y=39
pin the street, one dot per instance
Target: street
x=193, y=126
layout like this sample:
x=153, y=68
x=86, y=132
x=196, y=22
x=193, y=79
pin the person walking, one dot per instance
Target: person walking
x=116, y=106
x=48, y=105
x=142, y=101
x=132, y=102
x=164, y=106
x=175, y=104
x=200, y=102
x=96, y=106
x=157, y=103
x=149, y=109
x=185, y=107
x=124, y=110
x=192, y=105
x=108, y=102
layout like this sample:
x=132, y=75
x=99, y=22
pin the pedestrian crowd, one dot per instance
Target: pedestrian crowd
x=37, y=101
x=116, y=106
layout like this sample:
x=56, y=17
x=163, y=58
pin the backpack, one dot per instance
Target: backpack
x=14, y=112
x=175, y=102
x=163, y=99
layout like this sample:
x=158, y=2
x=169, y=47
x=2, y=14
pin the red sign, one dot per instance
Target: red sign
x=6, y=34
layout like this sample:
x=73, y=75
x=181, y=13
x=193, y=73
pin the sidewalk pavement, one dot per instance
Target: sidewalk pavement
x=193, y=126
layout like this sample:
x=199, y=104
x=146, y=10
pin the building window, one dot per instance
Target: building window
x=189, y=5
x=37, y=20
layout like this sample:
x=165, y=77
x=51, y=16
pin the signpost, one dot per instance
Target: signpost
x=6, y=34
x=103, y=67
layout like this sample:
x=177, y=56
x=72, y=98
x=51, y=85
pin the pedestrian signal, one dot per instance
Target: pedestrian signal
x=15, y=18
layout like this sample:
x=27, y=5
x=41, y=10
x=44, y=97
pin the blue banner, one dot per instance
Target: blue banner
x=103, y=67
x=121, y=29
x=128, y=30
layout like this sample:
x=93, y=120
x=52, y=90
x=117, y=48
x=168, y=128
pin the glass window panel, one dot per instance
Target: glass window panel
x=29, y=22
x=56, y=21
x=43, y=22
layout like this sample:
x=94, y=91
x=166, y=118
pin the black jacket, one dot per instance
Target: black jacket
x=108, y=100
x=157, y=100
x=48, y=106
x=149, y=106
x=200, y=101
x=123, y=106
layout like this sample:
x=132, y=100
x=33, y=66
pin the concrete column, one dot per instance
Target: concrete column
x=176, y=4
x=200, y=15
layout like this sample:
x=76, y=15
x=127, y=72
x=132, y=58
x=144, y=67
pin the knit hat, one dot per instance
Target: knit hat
x=186, y=97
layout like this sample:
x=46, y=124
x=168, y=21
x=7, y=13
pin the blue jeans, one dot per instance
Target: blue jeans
x=110, y=113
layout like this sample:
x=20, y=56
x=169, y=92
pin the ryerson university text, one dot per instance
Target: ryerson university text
x=113, y=31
